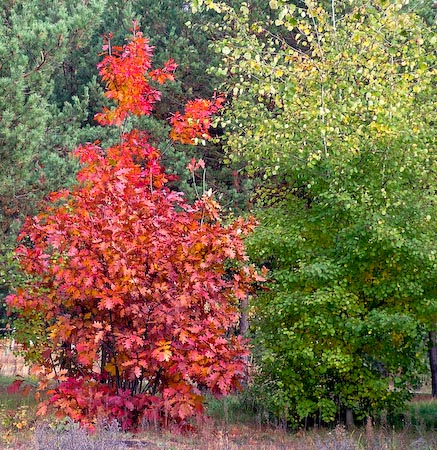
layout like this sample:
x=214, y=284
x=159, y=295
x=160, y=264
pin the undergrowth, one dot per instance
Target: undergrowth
x=237, y=422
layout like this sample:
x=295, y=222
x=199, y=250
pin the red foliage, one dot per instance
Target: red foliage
x=138, y=290
x=195, y=123
x=14, y=387
x=126, y=72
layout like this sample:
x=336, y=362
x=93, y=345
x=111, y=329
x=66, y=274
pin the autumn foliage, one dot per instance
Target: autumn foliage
x=137, y=291
x=126, y=72
x=194, y=124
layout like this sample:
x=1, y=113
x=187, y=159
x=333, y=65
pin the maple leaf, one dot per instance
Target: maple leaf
x=106, y=303
x=193, y=165
x=184, y=336
x=129, y=405
x=164, y=74
x=42, y=409
x=185, y=410
x=163, y=352
x=126, y=73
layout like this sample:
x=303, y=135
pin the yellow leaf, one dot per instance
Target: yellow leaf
x=163, y=351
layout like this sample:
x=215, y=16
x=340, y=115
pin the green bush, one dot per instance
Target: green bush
x=422, y=416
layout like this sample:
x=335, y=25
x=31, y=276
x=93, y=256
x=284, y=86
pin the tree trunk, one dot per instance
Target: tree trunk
x=349, y=418
x=433, y=361
x=244, y=316
x=244, y=328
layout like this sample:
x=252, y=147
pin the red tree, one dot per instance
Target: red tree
x=137, y=290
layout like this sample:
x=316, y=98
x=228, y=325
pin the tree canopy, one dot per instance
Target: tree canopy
x=327, y=108
x=335, y=110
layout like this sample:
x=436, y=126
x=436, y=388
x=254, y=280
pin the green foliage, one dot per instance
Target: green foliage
x=424, y=8
x=35, y=135
x=230, y=409
x=335, y=110
x=36, y=131
x=421, y=415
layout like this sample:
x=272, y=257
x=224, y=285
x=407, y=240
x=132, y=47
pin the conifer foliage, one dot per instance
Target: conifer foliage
x=132, y=293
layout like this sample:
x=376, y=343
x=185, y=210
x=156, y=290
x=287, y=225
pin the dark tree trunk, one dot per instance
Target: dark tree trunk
x=244, y=328
x=244, y=316
x=433, y=361
x=349, y=418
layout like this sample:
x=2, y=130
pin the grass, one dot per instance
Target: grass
x=17, y=411
x=217, y=437
x=233, y=425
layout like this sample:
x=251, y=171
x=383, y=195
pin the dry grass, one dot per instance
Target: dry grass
x=68, y=436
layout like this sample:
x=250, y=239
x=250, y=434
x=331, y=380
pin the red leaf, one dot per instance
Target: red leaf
x=195, y=123
x=14, y=387
x=185, y=410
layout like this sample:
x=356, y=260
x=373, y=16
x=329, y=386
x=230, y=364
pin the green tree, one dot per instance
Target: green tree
x=335, y=110
x=36, y=131
x=34, y=40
